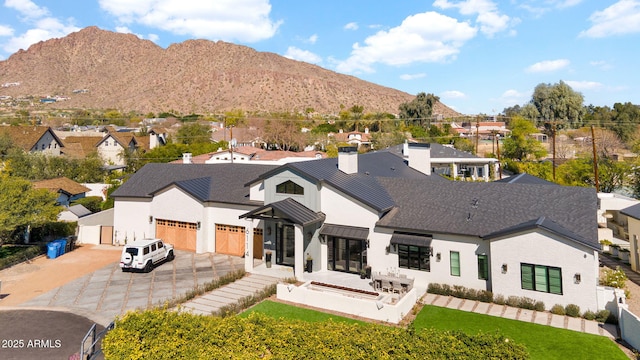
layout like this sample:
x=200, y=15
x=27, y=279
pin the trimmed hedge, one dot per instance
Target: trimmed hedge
x=26, y=253
x=163, y=334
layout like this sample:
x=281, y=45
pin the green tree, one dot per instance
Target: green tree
x=625, y=119
x=419, y=110
x=192, y=133
x=520, y=145
x=22, y=206
x=559, y=104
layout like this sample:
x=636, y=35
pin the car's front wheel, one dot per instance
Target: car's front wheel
x=170, y=256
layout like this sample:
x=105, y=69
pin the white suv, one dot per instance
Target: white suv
x=145, y=254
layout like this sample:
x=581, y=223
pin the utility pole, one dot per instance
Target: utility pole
x=477, y=133
x=231, y=143
x=595, y=159
x=498, y=148
x=553, y=161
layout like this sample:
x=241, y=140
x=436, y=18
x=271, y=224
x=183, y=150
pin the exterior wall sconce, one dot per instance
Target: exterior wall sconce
x=431, y=250
x=150, y=219
x=268, y=230
x=577, y=278
x=198, y=225
x=367, y=243
x=323, y=239
x=438, y=257
x=504, y=268
x=309, y=235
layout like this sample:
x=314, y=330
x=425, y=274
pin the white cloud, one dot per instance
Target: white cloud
x=312, y=39
x=490, y=20
x=424, y=37
x=601, y=64
x=6, y=30
x=453, y=94
x=548, y=65
x=563, y=4
x=620, y=18
x=153, y=37
x=351, y=26
x=27, y=8
x=412, y=76
x=583, y=85
x=511, y=94
x=246, y=21
x=302, y=55
x=44, y=27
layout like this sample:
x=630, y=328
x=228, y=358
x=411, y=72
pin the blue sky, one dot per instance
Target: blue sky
x=478, y=56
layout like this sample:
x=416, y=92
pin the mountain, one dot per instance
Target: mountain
x=123, y=72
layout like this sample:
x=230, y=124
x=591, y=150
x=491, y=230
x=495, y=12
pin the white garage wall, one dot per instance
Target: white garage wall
x=131, y=220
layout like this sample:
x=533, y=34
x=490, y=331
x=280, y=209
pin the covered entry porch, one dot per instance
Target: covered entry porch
x=290, y=234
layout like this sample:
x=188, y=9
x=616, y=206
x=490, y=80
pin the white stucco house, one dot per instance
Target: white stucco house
x=380, y=210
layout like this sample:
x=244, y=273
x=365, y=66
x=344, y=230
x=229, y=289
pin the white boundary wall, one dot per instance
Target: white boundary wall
x=376, y=309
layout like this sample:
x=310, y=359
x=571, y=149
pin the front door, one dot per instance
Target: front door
x=286, y=245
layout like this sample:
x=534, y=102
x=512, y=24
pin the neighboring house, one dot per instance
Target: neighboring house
x=611, y=218
x=376, y=210
x=96, y=228
x=34, y=138
x=633, y=214
x=484, y=129
x=355, y=138
x=80, y=147
x=241, y=136
x=73, y=213
x=252, y=155
x=67, y=189
x=112, y=146
x=157, y=137
x=448, y=161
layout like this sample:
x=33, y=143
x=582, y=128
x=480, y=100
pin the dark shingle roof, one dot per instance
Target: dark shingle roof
x=363, y=185
x=481, y=209
x=633, y=211
x=438, y=151
x=525, y=178
x=225, y=181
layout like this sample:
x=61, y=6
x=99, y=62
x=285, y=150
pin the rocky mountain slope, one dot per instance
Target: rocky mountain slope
x=122, y=71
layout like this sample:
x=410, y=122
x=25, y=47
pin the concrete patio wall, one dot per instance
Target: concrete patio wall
x=375, y=309
x=629, y=324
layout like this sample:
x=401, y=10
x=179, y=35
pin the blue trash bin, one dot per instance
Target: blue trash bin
x=63, y=244
x=53, y=248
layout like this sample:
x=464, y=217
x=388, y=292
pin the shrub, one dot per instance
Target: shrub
x=513, y=301
x=539, y=306
x=614, y=278
x=557, y=309
x=259, y=336
x=499, y=299
x=589, y=315
x=602, y=315
x=458, y=291
x=22, y=254
x=572, y=310
x=485, y=296
x=527, y=303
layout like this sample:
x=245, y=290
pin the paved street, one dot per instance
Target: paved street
x=109, y=292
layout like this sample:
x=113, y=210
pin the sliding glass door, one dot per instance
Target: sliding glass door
x=347, y=255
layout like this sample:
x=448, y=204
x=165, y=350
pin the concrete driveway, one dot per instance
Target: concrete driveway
x=108, y=292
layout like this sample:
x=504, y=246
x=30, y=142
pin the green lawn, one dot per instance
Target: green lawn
x=278, y=310
x=543, y=342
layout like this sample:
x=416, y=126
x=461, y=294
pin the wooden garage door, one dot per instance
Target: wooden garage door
x=230, y=240
x=180, y=234
x=106, y=235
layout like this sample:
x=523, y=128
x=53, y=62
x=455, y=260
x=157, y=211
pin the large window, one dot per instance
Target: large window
x=483, y=267
x=289, y=187
x=414, y=257
x=541, y=278
x=454, y=259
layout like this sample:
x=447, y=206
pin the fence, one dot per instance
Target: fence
x=93, y=350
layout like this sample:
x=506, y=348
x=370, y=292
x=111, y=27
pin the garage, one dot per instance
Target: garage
x=230, y=239
x=182, y=235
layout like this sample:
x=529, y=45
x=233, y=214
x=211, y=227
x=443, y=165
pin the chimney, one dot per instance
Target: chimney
x=348, y=159
x=420, y=157
x=186, y=158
